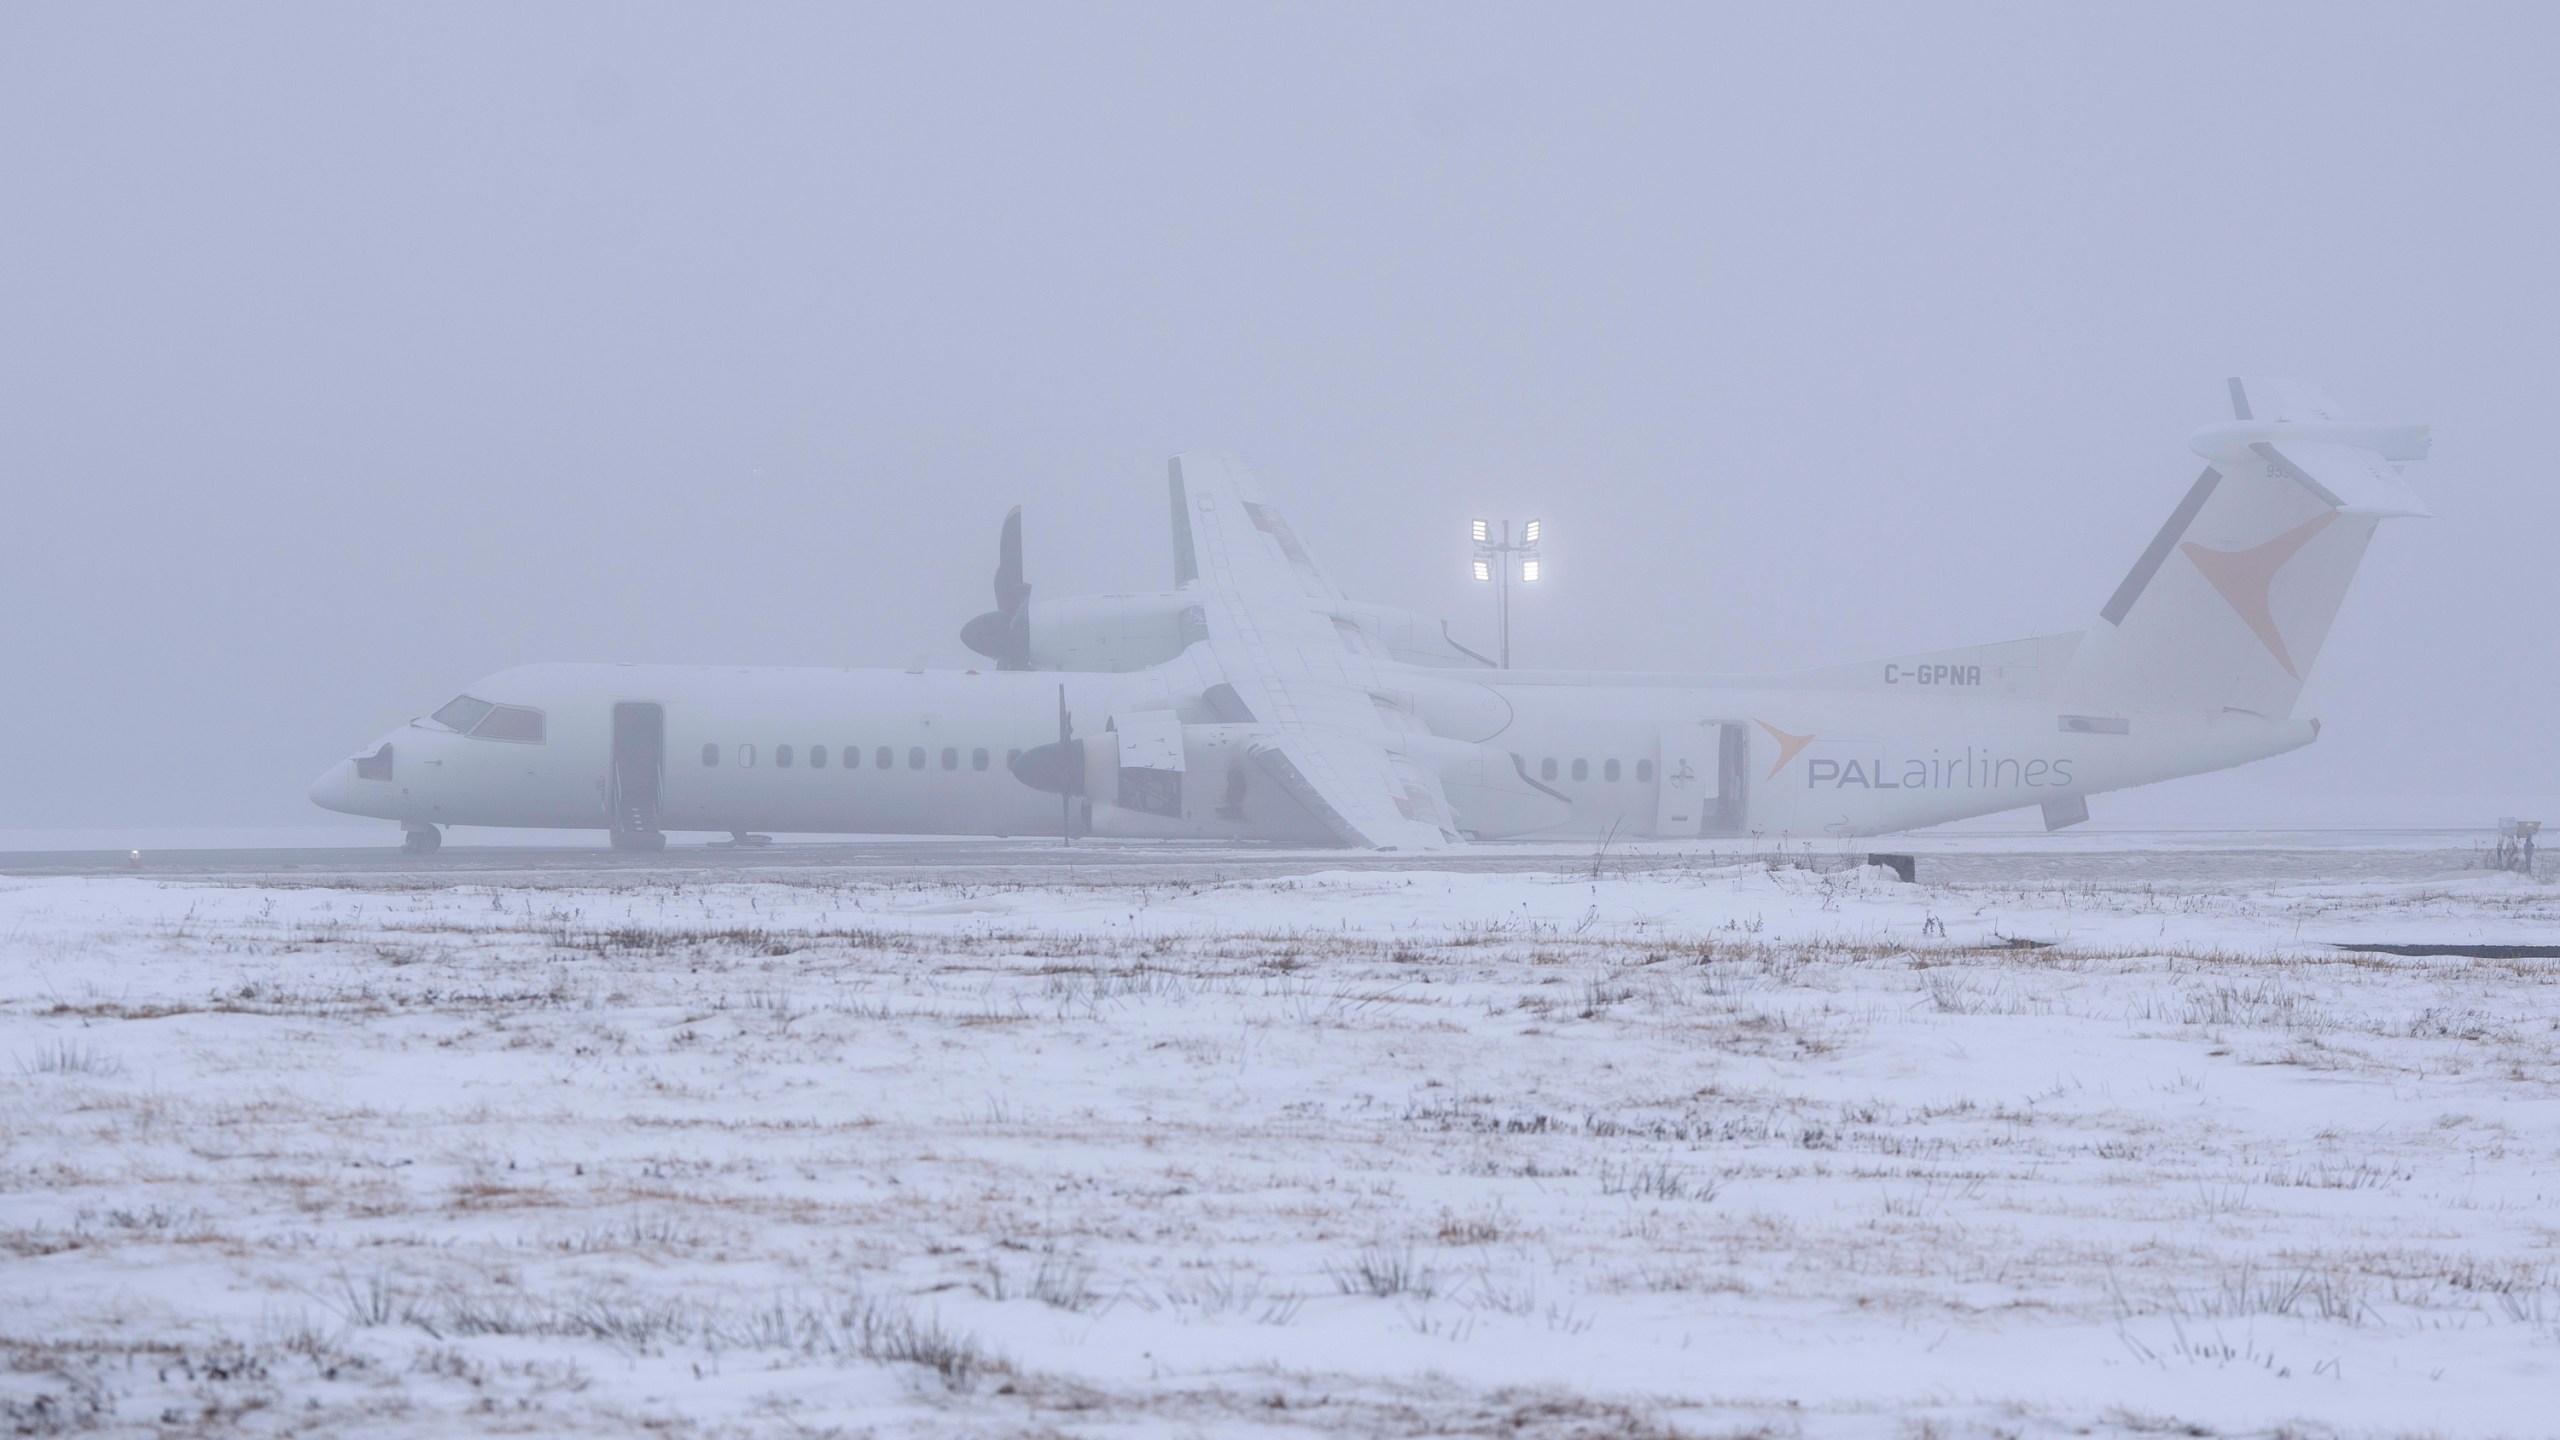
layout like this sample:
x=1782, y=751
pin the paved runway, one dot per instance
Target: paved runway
x=2187, y=862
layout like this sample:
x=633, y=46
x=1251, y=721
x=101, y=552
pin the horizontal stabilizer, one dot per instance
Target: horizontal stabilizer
x=2348, y=477
x=2299, y=434
x=2343, y=466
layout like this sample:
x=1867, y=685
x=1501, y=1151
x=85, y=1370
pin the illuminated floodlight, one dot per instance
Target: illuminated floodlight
x=1503, y=562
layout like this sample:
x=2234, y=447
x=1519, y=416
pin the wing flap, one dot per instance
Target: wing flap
x=1359, y=792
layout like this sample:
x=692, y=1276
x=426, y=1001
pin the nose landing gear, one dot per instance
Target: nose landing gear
x=420, y=839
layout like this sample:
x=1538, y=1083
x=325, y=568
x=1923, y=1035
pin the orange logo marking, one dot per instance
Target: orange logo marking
x=2246, y=576
x=1789, y=746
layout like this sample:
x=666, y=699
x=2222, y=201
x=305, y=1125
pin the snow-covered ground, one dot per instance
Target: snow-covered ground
x=1711, y=1149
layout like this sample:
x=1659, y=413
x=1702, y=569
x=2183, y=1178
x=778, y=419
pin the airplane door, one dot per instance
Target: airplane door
x=639, y=765
x=1729, y=809
x=1700, y=783
x=1686, y=779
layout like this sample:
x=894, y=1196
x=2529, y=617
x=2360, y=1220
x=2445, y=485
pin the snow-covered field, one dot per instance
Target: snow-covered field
x=1722, y=1150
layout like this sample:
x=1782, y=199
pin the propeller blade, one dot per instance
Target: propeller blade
x=1004, y=633
x=1059, y=766
x=1010, y=589
x=1066, y=802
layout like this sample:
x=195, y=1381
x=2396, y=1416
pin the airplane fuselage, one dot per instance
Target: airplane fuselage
x=807, y=750
x=1255, y=701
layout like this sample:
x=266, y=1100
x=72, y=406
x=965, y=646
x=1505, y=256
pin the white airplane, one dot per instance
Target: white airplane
x=1253, y=702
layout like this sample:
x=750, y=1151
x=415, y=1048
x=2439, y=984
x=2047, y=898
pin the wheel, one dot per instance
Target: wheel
x=422, y=842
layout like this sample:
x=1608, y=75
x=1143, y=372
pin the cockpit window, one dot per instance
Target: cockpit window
x=462, y=712
x=510, y=722
x=476, y=717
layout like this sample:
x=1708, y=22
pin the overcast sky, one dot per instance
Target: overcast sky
x=348, y=353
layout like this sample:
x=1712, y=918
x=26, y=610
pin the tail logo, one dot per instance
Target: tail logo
x=2245, y=578
x=1789, y=746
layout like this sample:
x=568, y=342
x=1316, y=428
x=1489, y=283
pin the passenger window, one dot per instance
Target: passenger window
x=1547, y=768
x=710, y=756
x=1581, y=769
x=853, y=757
x=1609, y=771
x=818, y=757
x=746, y=757
x=1644, y=770
x=950, y=758
x=781, y=757
x=883, y=758
x=978, y=759
x=915, y=757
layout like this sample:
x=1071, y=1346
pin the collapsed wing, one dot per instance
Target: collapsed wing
x=1314, y=683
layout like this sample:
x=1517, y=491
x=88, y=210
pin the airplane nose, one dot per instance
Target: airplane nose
x=329, y=792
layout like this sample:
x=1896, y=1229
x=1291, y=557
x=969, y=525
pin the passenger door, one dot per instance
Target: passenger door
x=639, y=768
x=1701, y=780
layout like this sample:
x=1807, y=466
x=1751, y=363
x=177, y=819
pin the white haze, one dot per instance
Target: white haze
x=347, y=354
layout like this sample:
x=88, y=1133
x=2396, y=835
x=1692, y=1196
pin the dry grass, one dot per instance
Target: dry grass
x=990, y=1157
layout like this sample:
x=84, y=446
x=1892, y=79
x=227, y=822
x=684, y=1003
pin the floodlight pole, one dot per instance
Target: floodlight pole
x=1496, y=561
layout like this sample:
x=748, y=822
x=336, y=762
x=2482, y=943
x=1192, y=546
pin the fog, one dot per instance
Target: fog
x=348, y=354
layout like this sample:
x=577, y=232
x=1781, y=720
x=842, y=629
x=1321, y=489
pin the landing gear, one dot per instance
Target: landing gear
x=643, y=841
x=421, y=839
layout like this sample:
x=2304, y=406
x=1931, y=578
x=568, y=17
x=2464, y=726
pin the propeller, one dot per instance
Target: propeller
x=1004, y=633
x=1066, y=741
x=1057, y=767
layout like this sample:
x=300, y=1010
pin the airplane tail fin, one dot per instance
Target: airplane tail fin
x=2228, y=606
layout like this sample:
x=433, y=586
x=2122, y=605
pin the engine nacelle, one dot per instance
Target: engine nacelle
x=1410, y=636
x=1109, y=633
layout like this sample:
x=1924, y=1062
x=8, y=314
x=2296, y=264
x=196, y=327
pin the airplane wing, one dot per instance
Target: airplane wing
x=1313, y=682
